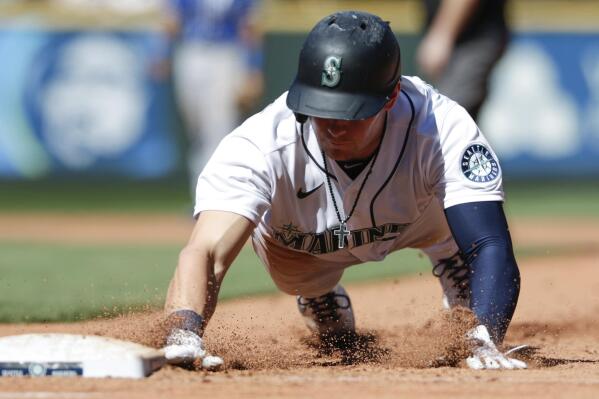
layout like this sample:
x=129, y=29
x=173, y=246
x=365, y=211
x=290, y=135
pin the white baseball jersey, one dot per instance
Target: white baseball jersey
x=271, y=171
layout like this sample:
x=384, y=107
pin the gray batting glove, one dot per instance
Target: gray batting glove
x=186, y=347
x=485, y=354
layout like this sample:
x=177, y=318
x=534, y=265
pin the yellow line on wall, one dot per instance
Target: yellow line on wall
x=406, y=16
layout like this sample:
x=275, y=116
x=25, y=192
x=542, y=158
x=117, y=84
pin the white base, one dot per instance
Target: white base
x=83, y=355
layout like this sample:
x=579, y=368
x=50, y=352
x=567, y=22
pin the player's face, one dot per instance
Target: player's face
x=346, y=140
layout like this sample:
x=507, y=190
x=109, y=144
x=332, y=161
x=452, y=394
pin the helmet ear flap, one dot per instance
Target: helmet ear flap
x=300, y=118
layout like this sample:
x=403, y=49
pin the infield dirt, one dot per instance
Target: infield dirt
x=403, y=331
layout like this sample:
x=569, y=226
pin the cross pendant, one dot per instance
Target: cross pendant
x=341, y=232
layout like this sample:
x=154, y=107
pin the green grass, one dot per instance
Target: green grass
x=66, y=282
x=577, y=198
x=96, y=195
x=62, y=282
x=539, y=198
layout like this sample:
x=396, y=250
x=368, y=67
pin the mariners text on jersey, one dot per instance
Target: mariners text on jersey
x=325, y=242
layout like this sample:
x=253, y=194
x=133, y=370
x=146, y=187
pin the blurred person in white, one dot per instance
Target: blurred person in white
x=462, y=42
x=217, y=70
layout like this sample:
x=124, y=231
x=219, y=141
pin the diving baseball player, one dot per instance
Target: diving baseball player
x=354, y=162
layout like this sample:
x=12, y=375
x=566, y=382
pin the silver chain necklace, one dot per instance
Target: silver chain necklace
x=342, y=231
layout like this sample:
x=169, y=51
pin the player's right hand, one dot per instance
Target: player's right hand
x=485, y=354
x=185, y=347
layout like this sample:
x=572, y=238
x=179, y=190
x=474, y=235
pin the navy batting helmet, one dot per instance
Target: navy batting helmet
x=348, y=67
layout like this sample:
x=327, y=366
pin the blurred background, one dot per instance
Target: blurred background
x=80, y=95
x=93, y=123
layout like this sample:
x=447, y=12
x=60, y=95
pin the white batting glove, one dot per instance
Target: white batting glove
x=183, y=346
x=485, y=354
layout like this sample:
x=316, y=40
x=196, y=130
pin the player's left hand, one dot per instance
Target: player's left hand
x=485, y=354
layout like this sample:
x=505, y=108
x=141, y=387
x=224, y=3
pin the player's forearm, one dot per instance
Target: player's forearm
x=452, y=16
x=494, y=285
x=215, y=242
x=195, y=285
x=480, y=230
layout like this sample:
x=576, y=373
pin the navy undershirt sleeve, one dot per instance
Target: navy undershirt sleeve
x=481, y=232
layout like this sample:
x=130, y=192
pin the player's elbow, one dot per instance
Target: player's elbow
x=510, y=271
x=206, y=261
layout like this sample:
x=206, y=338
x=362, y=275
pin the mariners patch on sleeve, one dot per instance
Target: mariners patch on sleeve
x=478, y=164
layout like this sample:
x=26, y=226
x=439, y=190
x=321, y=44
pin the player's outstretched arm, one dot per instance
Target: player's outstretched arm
x=215, y=242
x=481, y=231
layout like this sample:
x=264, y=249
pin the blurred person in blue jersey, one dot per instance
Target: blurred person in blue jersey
x=217, y=69
x=462, y=42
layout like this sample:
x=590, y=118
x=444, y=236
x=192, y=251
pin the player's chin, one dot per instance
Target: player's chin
x=339, y=152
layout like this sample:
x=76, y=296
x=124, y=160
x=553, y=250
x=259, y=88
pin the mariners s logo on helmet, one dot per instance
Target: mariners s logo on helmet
x=331, y=74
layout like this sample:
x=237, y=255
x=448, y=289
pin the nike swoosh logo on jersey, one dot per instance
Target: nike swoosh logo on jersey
x=301, y=194
x=352, y=165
